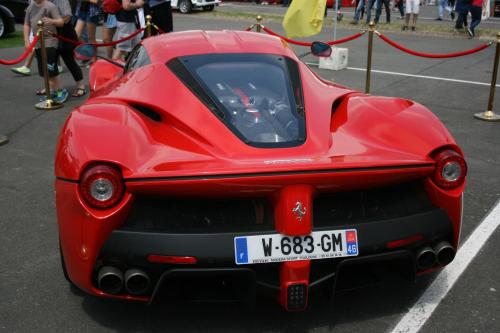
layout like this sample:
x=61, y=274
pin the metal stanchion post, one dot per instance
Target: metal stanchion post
x=48, y=103
x=369, y=58
x=258, y=26
x=3, y=139
x=489, y=115
x=148, y=25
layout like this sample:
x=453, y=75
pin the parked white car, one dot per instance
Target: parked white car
x=186, y=6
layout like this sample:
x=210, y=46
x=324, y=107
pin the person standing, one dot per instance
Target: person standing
x=442, y=7
x=378, y=11
x=462, y=8
x=87, y=13
x=127, y=24
x=476, y=10
x=362, y=8
x=400, y=5
x=45, y=11
x=412, y=8
x=108, y=31
x=161, y=15
x=66, y=48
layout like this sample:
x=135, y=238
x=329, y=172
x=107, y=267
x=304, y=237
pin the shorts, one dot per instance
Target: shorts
x=412, y=6
x=51, y=61
x=110, y=21
x=125, y=29
x=85, y=17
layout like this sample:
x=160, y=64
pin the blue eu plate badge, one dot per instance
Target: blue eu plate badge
x=241, y=252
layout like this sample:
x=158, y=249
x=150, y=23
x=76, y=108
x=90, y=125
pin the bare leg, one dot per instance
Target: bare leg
x=80, y=25
x=407, y=20
x=29, y=59
x=54, y=83
x=107, y=37
x=415, y=16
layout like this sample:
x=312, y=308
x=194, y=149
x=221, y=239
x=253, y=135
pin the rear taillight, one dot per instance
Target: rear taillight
x=450, y=169
x=101, y=186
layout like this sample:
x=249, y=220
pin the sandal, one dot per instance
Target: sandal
x=79, y=92
x=40, y=92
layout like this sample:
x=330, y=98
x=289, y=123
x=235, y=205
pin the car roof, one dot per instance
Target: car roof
x=164, y=47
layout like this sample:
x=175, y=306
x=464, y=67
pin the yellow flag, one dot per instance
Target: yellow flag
x=304, y=18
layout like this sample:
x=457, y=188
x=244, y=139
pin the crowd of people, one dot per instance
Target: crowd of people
x=409, y=10
x=77, y=20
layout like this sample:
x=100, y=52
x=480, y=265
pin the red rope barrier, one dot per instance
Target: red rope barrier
x=346, y=39
x=249, y=28
x=23, y=56
x=77, y=42
x=160, y=31
x=333, y=42
x=432, y=55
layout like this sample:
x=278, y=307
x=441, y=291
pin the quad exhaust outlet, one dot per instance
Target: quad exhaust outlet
x=137, y=282
x=110, y=279
x=426, y=258
x=445, y=253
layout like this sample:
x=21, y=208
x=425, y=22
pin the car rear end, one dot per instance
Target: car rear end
x=287, y=231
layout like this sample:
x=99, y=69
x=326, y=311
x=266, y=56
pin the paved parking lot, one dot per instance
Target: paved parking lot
x=35, y=296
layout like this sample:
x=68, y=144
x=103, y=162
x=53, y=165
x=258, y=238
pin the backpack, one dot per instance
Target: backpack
x=111, y=6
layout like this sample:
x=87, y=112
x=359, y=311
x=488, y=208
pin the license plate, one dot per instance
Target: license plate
x=277, y=247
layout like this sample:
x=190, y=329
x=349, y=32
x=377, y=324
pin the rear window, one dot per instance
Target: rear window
x=257, y=96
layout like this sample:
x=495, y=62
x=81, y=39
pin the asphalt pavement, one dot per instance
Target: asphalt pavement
x=36, y=298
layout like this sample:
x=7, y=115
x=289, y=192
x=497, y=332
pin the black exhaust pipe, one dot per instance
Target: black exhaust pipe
x=110, y=279
x=137, y=282
x=445, y=253
x=426, y=258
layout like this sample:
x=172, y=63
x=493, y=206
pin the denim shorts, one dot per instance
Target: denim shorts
x=85, y=16
x=110, y=21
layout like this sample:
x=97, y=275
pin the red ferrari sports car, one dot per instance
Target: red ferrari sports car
x=217, y=162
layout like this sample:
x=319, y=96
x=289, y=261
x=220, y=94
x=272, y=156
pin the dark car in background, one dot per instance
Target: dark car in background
x=17, y=7
x=7, y=24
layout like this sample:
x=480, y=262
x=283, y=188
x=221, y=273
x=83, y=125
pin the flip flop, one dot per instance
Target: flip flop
x=79, y=92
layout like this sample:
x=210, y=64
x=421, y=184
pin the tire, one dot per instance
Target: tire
x=185, y=6
x=2, y=26
x=208, y=8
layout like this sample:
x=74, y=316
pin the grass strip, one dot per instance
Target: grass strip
x=12, y=40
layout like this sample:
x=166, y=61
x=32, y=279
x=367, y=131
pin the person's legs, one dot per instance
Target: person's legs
x=359, y=8
x=475, y=12
x=91, y=28
x=80, y=25
x=440, y=7
x=368, y=10
x=387, y=5
x=378, y=10
x=401, y=9
x=408, y=12
x=108, y=30
x=124, y=29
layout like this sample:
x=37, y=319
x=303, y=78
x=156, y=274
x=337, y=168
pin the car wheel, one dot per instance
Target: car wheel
x=2, y=26
x=185, y=6
x=208, y=8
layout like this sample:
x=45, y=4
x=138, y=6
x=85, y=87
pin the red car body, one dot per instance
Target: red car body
x=361, y=160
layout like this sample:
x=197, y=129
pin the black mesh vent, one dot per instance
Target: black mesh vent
x=370, y=205
x=152, y=214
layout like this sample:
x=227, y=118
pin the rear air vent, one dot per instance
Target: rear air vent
x=148, y=112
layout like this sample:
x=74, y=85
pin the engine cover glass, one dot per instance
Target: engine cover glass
x=258, y=96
